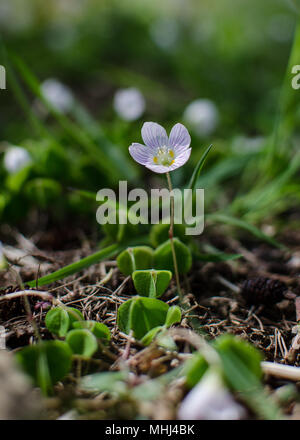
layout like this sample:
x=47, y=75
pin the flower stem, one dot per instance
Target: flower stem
x=171, y=235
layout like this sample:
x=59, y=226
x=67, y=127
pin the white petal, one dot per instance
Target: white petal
x=154, y=135
x=158, y=168
x=181, y=159
x=140, y=153
x=179, y=136
x=210, y=400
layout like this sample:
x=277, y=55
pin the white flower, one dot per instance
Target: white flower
x=15, y=159
x=210, y=400
x=202, y=115
x=129, y=104
x=162, y=153
x=59, y=95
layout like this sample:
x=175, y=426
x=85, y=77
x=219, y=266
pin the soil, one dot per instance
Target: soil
x=215, y=299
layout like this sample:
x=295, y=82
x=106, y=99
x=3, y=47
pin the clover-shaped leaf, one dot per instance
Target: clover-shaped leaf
x=160, y=233
x=101, y=331
x=141, y=314
x=74, y=315
x=111, y=381
x=60, y=319
x=151, y=334
x=173, y=316
x=151, y=282
x=146, y=317
x=135, y=258
x=82, y=342
x=46, y=362
x=163, y=257
x=57, y=321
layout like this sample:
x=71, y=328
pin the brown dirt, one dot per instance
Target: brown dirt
x=212, y=293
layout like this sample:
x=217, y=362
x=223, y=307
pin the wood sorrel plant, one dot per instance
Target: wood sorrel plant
x=163, y=154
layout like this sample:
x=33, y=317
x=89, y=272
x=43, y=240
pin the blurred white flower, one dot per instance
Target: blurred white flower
x=129, y=103
x=15, y=159
x=210, y=400
x=202, y=115
x=164, y=33
x=59, y=95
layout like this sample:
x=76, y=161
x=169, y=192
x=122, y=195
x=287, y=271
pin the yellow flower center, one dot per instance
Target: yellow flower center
x=164, y=156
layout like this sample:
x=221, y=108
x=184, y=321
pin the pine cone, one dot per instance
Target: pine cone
x=263, y=291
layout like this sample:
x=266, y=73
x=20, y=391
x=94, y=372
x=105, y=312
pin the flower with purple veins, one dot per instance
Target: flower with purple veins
x=161, y=153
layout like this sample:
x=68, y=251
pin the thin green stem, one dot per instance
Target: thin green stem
x=78, y=368
x=171, y=235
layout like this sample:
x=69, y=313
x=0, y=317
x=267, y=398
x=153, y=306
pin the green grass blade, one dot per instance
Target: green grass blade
x=288, y=101
x=233, y=221
x=262, y=201
x=20, y=96
x=89, y=195
x=122, y=163
x=66, y=271
x=216, y=257
x=249, y=388
x=75, y=132
x=226, y=168
x=198, y=169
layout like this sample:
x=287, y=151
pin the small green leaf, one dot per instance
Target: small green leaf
x=162, y=339
x=163, y=257
x=148, y=338
x=247, y=353
x=135, y=258
x=141, y=314
x=194, y=369
x=242, y=372
x=166, y=341
x=82, y=342
x=112, y=382
x=57, y=321
x=160, y=233
x=46, y=362
x=101, y=331
x=74, y=315
x=152, y=283
x=173, y=316
x=15, y=181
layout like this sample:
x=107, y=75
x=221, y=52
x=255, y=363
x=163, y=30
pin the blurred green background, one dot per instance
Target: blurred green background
x=67, y=61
